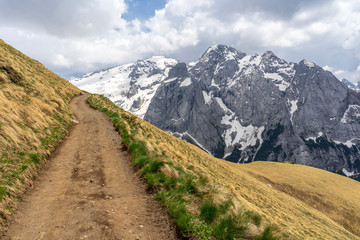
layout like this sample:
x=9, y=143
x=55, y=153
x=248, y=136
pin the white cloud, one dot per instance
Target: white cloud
x=328, y=68
x=73, y=37
x=65, y=18
x=353, y=76
x=60, y=61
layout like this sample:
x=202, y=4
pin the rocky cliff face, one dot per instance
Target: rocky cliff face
x=247, y=108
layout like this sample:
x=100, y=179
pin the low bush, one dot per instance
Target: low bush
x=229, y=228
x=208, y=211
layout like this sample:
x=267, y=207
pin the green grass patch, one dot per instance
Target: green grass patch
x=209, y=211
x=138, y=149
x=229, y=228
x=267, y=234
x=2, y=193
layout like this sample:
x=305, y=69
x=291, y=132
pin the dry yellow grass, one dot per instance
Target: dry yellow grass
x=34, y=116
x=303, y=202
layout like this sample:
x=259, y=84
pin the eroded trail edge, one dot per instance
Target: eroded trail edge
x=89, y=190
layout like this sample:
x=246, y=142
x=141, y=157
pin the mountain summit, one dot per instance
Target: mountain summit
x=243, y=107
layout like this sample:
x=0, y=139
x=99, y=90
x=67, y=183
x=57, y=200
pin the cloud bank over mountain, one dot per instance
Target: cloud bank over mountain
x=73, y=38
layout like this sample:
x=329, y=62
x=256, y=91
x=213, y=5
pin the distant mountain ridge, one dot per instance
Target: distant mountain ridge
x=243, y=107
x=351, y=85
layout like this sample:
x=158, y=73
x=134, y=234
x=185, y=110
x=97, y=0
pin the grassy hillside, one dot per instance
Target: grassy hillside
x=212, y=198
x=34, y=117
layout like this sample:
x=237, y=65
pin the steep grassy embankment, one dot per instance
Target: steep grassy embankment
x=34, y=117
x=209, y=197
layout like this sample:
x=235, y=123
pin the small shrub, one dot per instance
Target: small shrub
x=141, y=161
x=23, y=167
x=184, y=223
x=161, y=196
x=114, y=116
x=155, y=179
x=188, y=185
x=138, y=148
x=208, y=211
x=203, y=181
x=201, y=229
x=152, y=167
x=170, y=182
x=228, y=229
x=34, y=157
x=22, y=126
x=2, y=192
x=254, y=217
x=267, y=234
x=224, y=207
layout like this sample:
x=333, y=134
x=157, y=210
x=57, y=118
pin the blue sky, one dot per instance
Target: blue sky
x=142, y=9
x=73, y=38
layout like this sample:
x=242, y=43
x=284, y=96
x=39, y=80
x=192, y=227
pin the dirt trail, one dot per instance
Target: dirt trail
x=89, y=190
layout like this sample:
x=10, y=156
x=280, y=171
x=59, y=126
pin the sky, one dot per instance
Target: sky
x=73, y=38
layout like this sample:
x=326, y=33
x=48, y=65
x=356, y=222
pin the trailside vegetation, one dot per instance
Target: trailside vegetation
x=35, y=116
x=191, y=198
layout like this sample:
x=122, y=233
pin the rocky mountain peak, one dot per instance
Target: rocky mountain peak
x=308, y=64
x=219, y=53
x=268, y=54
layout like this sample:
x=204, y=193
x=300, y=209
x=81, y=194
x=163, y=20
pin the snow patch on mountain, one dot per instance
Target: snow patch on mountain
x=320, y=134
x=351, y=113
x=222, y=105
x=293, y=108
x=236, y=133
x=186, y=82
x=186, y=134
x=348, y=143
x=309, y=64
x=347, y=173
x=207, y=97
x=278, y=80
x=248, y=61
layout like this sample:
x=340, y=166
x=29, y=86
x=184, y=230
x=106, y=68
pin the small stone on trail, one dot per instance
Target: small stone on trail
x=91, y=180
x=141, y=226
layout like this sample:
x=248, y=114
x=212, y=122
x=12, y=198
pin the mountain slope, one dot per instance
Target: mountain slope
x=34, y=117
x=301, y=201
x=247, y=108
